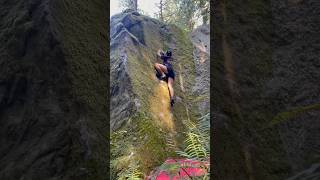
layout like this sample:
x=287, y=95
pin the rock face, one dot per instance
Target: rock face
x=200, y=38
x=265, y=90
x=311, y=173
x=53, y=91
x=140, y=107
x=294, y=87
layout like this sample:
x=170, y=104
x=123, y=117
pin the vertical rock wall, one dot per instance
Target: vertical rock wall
x=143, y=121
x=200, y=38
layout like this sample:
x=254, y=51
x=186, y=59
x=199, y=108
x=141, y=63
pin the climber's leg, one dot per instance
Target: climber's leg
x=161, y=68
x=171, y=91
x=170, y=86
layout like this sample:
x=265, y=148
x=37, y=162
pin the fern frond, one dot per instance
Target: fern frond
x=129, y=168
x=171, y=142
x=134, y=174
x=197, y=139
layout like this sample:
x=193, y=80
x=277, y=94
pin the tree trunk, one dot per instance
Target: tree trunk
x=135, y=4
x=161, y=10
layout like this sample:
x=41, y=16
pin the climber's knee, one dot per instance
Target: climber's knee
x=156, y=65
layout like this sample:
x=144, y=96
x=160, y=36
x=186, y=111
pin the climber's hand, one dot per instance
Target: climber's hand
x=159, y=52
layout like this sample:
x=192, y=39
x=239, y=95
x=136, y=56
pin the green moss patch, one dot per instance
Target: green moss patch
x=287, y=115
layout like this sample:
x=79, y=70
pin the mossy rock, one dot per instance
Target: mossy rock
x=154, y=120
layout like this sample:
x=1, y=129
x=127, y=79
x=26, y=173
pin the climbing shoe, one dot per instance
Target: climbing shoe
x=171, y=102
x=163, y=77
x=159, y=76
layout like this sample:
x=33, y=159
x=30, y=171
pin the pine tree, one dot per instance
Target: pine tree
x=161, y=10
x=129, y=4
x=204, y=7
x=184, y=13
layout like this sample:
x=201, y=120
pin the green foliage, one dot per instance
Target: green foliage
x=180, y=13
x=198, y=142
x=132, y=173
x=194, y=147
x=203, y=10
x=116, y=139
x=198, y=139
x=172, y=169
x=125, y=159
x=284, y=116
x=185, y=13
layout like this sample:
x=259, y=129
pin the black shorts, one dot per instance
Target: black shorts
x=170, y=70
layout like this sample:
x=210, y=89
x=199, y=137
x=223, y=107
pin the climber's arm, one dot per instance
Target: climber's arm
x=160, y=53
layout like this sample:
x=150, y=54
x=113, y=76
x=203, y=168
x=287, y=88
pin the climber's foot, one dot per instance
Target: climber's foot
x=163, y=77
x=171, y=102
x=158, y=75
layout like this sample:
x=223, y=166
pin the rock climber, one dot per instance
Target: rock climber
x=165, y=71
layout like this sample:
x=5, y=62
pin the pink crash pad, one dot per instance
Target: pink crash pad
x=189, y=168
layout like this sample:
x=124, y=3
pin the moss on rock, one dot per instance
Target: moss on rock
x=155, y=122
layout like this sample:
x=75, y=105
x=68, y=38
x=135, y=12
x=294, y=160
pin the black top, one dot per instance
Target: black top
x=164, y=58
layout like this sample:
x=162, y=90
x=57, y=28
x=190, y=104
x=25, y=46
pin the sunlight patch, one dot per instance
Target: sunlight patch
x=160, y=106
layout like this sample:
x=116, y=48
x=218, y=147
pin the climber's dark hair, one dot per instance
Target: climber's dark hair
x=169, y=53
